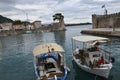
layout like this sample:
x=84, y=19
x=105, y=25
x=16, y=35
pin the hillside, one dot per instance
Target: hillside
x=4, y=19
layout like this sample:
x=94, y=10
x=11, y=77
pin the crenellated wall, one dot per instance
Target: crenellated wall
x=106, y=21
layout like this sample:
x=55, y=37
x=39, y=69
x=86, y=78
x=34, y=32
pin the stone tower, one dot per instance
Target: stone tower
x=62, y=25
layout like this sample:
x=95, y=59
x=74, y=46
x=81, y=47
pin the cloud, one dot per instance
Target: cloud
x=74, y=11
x=103, y=0
x=31, y=7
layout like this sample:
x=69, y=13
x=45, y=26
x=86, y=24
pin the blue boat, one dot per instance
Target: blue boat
x=49, y=62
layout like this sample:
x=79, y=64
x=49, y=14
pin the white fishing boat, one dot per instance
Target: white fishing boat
x=89, y=55
x=49, y=62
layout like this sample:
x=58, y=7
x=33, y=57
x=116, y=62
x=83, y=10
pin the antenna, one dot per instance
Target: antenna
x=27, y=16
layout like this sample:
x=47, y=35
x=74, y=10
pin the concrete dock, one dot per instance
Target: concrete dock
x=103, y=32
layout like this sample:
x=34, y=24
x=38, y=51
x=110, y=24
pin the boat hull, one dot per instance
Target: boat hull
x=102, y=72
x=57, y=78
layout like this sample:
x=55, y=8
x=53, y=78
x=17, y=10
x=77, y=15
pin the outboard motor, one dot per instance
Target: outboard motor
x=112, y=59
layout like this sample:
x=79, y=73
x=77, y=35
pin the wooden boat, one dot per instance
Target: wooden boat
x=49, y=62
x=89, y=55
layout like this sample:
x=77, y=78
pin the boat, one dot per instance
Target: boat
x=89, y=55
x=28, y=31
x=49, y=62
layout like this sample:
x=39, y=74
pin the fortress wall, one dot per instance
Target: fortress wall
x=106, y=21
x=55, y=26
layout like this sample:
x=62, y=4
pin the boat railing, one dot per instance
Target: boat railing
x=106, y=55
x=92, y=49
x=105, y=50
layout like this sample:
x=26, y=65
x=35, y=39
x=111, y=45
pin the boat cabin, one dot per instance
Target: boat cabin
x=49, y=61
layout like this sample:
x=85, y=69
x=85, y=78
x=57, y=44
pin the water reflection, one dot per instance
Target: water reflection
x=60, y=37
x=83, y=75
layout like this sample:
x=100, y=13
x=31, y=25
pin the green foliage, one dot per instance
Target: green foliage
x=58, y=16
x=4, y=19
x=17, y=22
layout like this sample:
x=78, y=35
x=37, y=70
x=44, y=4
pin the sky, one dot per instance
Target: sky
x=74, y=11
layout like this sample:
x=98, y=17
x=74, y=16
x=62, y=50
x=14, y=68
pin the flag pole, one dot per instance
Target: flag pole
x=105, y=10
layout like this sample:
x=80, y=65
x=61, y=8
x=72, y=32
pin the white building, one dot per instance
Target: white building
x=19, y=27
x=37, y=24
x=30, y=26
x=6, y=26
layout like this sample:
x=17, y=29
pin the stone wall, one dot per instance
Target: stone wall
x=55, y=27
x=106, y=21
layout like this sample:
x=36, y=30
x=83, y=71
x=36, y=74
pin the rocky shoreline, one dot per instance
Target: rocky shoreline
x=16, y=32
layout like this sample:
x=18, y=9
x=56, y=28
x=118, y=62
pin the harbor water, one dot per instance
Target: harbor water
x=16, y=58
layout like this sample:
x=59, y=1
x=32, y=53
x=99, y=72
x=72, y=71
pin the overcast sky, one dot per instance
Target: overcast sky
x=74, y=11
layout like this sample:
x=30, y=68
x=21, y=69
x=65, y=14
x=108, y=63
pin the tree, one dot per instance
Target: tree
x=58, y=16
x=17, y=22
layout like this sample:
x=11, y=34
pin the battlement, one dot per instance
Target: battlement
x=109, y=15
x=106, y=21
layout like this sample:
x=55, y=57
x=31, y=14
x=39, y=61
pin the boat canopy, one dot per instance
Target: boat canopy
x=45, y=48
x=86, y=38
